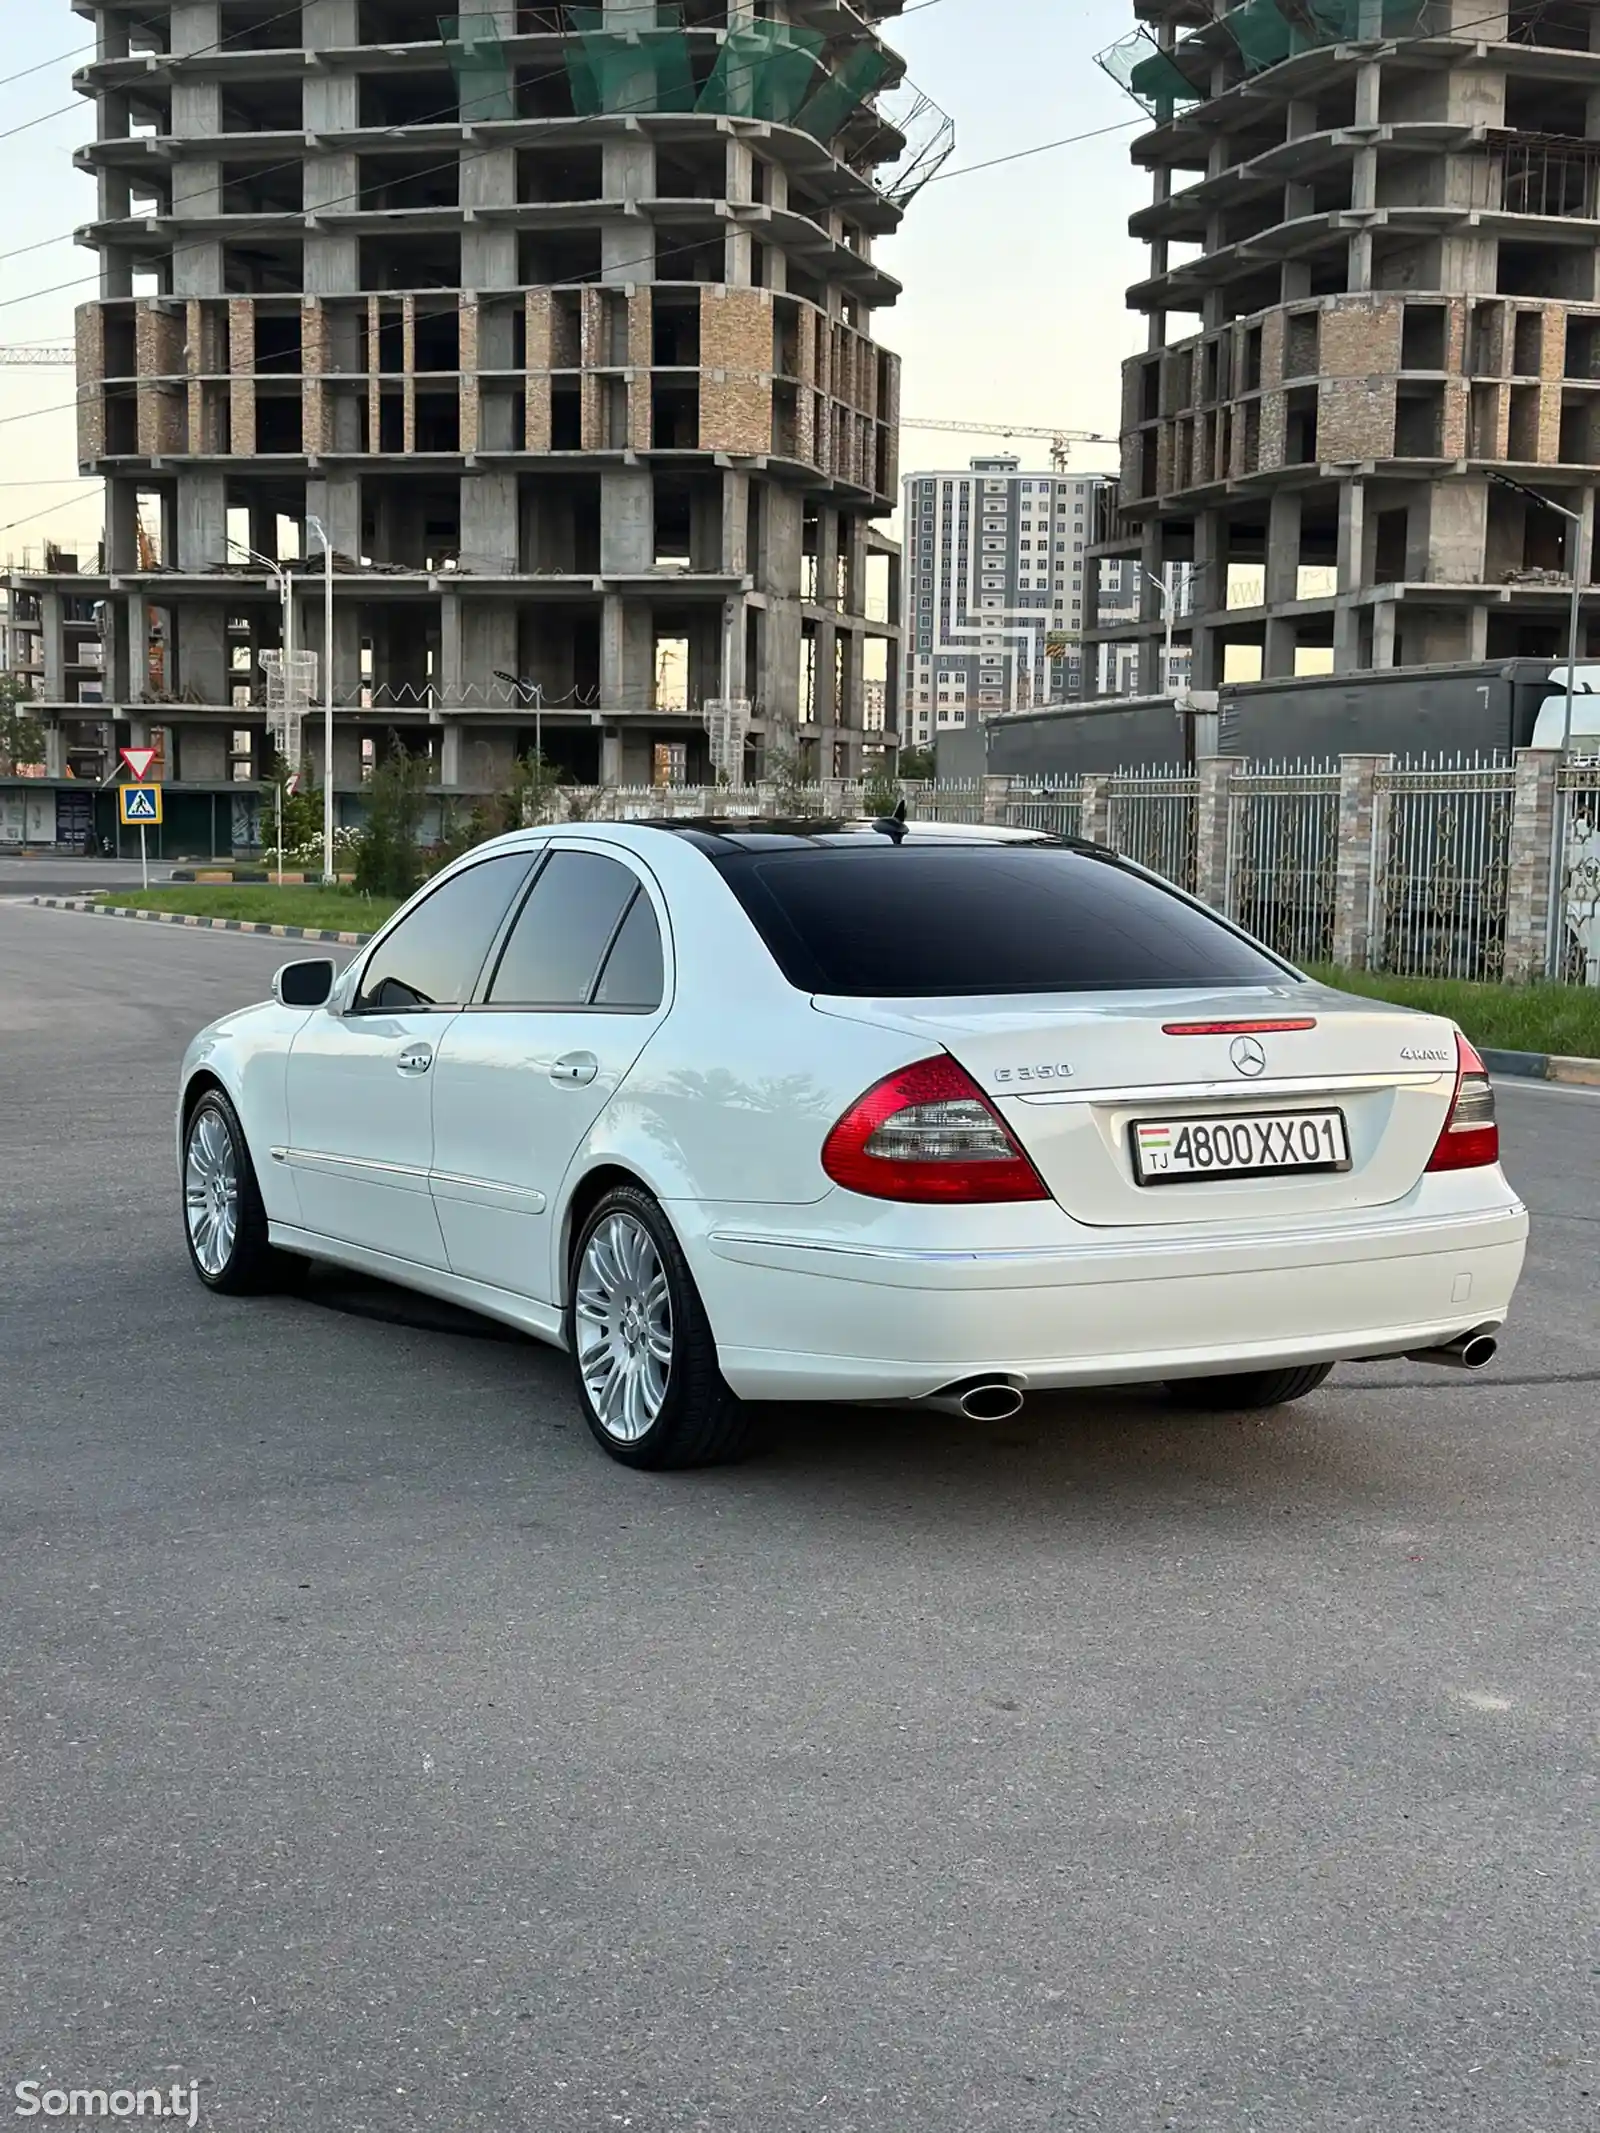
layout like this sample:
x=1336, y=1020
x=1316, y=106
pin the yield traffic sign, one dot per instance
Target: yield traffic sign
x=138, y=761
x=141, y=804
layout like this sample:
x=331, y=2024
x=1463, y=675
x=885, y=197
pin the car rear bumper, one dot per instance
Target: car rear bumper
x=825, y=1319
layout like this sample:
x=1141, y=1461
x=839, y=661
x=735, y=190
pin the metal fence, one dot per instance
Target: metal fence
x=1419, y=882
x=1576, y=960
x=1153, y=817
x=1054, y=805
x=1441, y=871
x=946, y=800
x=1283, y=858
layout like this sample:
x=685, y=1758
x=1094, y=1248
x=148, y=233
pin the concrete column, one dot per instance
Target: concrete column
x=1359, y=860
x=53, y=630
x=1385, y=617
x=138, y=612
x=55, y=749
x=1352, y=547
x=488, y=250
x=1212, y=874
x=1282, y=581
x=1094, y=818
x=202, y=520
x=627, y=521
x=1528, y=882
x=489, y=544
x=330, y=103
x=452, y=673
x=450, y=755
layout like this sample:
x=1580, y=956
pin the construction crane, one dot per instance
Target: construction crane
x=1061, y=440
x=59, y=355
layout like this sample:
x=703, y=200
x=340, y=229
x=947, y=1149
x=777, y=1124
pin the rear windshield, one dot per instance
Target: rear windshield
x=906, y=921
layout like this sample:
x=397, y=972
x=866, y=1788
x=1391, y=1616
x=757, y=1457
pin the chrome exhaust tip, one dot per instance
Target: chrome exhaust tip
x=982, y=1400
x=1470, y=1351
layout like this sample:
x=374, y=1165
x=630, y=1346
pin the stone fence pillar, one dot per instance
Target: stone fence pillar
x=1359, y=858
x=1215, y=802
x=1530, y=865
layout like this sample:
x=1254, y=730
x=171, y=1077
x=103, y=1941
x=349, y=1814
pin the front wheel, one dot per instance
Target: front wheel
x=224, y=1222
x=648, y=1377
x=1249, y=1388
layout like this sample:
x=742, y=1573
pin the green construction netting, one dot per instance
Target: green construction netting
x=1262, y=34
x=1136, y=64
x=1344, y=21
x=638, y=61
x=765, y=70
x=483, y=78
x=843, y=93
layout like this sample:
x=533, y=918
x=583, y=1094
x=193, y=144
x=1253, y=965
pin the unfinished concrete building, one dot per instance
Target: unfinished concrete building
x=556, y=318
x=1383, y=215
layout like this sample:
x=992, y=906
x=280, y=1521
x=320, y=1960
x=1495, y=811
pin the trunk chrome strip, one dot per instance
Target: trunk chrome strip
x=1221, y=1091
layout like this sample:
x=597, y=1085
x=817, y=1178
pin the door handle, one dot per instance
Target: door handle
x=575, y=1070
x=415, y=1059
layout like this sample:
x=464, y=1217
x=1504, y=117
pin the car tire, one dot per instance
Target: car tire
x=1249, y=1388
x=649, y=1383
x=225, y=1224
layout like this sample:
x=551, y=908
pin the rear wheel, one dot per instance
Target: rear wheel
x=648, y=1377
x=1249, y=1388
x=224, y=1222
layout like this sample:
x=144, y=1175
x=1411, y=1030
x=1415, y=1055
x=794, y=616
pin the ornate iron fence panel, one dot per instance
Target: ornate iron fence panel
x=1283, y=859
x=1442, y=862
x=946, y=800
x=1153, y=817
x=1052, y=804
x=1577, y=960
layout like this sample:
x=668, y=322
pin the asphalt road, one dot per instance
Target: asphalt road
x=53, y=874
x=379, y=1756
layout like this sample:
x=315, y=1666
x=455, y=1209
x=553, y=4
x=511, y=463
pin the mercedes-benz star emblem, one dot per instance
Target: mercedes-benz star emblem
x=1248, y=1055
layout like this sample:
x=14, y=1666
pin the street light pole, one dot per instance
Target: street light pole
x=330, y=873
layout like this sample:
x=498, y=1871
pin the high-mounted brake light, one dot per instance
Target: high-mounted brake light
x=1235, y=1029
x=1471, y=1137
x=929, y=1133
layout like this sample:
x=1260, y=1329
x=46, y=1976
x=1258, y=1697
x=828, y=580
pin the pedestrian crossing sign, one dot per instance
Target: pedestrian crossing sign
x=140, y=803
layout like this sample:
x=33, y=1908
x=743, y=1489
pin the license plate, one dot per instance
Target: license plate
x=1178, y=1151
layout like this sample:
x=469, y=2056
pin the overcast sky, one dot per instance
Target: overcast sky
x=1013, y=277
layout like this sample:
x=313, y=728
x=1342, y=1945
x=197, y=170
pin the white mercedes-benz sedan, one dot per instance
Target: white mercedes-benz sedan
x=873, y=1112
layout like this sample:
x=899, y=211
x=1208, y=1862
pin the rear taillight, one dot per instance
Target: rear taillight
x=1471, y=1138
x=928, y=1133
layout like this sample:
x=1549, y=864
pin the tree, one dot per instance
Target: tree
x=302, y=809
x=881, y=794
x=22, y=737
x=388, y=859
x=918, y=763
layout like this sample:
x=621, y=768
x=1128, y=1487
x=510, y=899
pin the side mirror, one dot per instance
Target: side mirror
x=306, y=984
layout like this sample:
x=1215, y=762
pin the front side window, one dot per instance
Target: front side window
x=432, y=958
x=562, y=950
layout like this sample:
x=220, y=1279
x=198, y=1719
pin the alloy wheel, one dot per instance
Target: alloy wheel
x=623, y=1321
x=211, y=1192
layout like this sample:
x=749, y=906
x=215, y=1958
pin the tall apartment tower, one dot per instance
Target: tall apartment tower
x=1381, y=214
x=556, y=318
x=994, y=592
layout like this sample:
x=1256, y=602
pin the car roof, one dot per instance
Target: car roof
x=733, y=833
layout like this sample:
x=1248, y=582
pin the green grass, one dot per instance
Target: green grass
x=327, y=910
x=1563, y=1019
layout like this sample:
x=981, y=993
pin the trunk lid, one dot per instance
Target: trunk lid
x=1073, y=1074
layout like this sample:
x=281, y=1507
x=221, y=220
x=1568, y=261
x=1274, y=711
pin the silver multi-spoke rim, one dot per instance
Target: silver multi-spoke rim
x=624, y=1328
x=211, y=1192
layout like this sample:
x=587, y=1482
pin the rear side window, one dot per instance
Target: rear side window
x=432, y=958
x=880, y=921
x=564, y=933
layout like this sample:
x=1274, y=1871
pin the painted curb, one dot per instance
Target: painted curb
x=1544, y=1066
x=210, y=925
